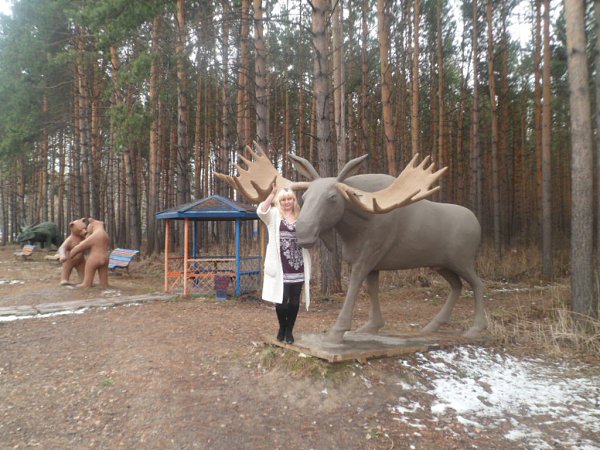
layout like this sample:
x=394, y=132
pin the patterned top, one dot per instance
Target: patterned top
x=291, y=253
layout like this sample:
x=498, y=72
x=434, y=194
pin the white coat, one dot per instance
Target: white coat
x=273, y=271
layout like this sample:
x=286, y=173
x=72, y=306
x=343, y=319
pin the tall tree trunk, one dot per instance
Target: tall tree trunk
x=302, y=119
x=207, y=134
x=84, y=123
x=583, y=301
x=43, y=174
x=364, y=78
x=84, y=129
x=339, y=94
x=402, y=123
x=260, y=68
x=444, y=160
x=386, y=86
x=475, y=190
x=597, y=88
x=329, y=281
x=154, y=150
x=301, y=150
x=286, y=134
x=537, y=96
x=5, y=210
x=243, y=116
x=462, y=160
x=547, y=149
x=132, y=237
x=98, y=188
x=183, y=152
x=222, y=160
x=313, y=133
x=494, y=117
x=414, y=109
x=505, y=147
x=198, y=140
x=61, y=183
x=74, y=206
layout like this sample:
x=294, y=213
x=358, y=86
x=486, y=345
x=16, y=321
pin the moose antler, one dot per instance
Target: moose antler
x=413, y=184
x=255, y=182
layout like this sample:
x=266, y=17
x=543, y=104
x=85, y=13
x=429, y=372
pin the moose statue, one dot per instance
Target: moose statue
x=45, y=233
x=384, y=223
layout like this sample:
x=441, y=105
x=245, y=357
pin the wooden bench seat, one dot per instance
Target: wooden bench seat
x=120, y=258
x=25, y=252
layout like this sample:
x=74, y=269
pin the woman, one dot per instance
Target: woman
x=287, y=265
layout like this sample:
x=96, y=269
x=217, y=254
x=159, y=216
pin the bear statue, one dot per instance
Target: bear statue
x=97, y=243
x=78, y=232
x=45, y=233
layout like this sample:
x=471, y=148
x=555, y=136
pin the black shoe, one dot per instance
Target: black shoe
x=289, y=337
x=281, y=334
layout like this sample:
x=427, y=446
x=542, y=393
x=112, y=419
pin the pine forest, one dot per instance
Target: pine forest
x=119, y=109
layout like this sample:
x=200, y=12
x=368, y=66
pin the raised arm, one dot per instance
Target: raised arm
x=266, y=203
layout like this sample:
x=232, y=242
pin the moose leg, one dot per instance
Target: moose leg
x=344, y=319
x=479, y=320
x=443, y=316
x=375, y=322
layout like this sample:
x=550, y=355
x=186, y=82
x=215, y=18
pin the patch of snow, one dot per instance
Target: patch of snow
x=42, y=316
x=12, y=282
x=111, y=293
x=545, y=403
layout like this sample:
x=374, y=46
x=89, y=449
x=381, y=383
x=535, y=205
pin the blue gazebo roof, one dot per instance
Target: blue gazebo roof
x=214, y=207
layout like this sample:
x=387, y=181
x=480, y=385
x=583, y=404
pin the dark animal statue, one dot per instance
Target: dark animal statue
x=45, y=233
x=384, y=223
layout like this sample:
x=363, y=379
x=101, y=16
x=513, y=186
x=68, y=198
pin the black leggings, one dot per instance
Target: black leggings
x=287, y=310
x=291, y=293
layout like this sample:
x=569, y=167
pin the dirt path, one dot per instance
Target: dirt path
x=195, y=374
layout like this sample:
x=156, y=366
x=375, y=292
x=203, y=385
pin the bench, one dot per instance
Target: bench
x=25, y=252
x=120, y=258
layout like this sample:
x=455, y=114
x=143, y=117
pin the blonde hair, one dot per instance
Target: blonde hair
x=286, y=193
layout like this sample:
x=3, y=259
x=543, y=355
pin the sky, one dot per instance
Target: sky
x=517, y=28
x=5, y=6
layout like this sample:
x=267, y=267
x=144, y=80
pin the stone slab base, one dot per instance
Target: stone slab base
x=363, y=346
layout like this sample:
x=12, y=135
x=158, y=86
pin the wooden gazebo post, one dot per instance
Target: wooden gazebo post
x=167, y=239
x=238, y=288
x=186, y=236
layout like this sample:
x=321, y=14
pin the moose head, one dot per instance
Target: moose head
x=326, y=199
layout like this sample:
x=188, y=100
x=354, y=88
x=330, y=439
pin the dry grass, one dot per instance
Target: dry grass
x=546, y=325
x=276, y=358
x=518, y=264
x=545, y=322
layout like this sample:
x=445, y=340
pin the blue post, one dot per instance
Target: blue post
x=238, y=289
x=194, y=243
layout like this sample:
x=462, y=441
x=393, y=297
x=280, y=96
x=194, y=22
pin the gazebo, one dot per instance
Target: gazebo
x=202, y=275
